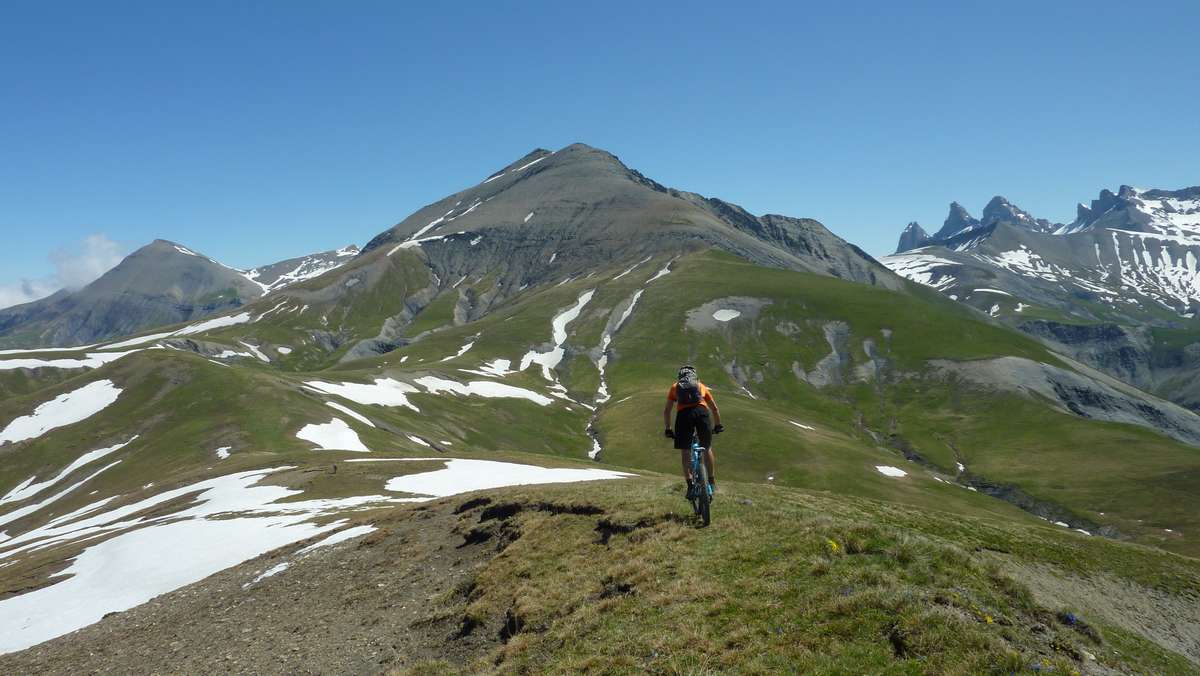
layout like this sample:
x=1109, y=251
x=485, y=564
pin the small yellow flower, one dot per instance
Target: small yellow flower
x=833, y=546
x=987, y=618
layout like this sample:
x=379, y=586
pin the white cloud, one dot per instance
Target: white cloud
x=75, y=266
x=26, y=290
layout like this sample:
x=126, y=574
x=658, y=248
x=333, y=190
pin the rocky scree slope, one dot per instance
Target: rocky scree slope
x=551, y=215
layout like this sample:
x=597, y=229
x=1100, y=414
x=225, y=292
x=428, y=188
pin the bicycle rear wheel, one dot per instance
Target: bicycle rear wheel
x=702, y=495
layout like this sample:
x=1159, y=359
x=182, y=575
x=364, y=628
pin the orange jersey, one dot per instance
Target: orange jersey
x=705, y=397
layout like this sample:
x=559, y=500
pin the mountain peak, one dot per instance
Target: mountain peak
x=166, y=246
x=1000, y=209
x=913, y=237
x=957, y=221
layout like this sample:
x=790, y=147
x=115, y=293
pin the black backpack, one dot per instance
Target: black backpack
x=687, y=389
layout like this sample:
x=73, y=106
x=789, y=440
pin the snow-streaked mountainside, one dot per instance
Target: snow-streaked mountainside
x=514, y=341
x=1118, y=288
x=160, y=284
x=279, y=275
x=558, y=214
x=1130, y=254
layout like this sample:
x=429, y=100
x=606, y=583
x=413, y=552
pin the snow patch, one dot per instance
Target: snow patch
x=666, y=270
x=273, y=570
x=463, y=475
x=549, y=360
x=384, y=392
x=350, y=412
x=481, y=388
x=91, y=360
x=339, y=536
x=28, y=488
x=726, y=315
x=255, y=351
x=211, y=324
x=65, y=409
x=230, y=520
x=526, y=166
x=461, y=351
x=334, y=435
x=888, y=470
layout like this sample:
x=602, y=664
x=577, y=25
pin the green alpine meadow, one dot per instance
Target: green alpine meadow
x=443, y=453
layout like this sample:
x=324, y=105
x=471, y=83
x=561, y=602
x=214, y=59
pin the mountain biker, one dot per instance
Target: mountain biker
x=693, y=401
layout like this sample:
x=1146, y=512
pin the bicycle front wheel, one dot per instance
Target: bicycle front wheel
x=703, y=496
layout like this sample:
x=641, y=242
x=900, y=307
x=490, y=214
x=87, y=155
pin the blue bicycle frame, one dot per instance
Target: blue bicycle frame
x=697, y=458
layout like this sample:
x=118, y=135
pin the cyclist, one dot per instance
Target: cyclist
x=692, y=401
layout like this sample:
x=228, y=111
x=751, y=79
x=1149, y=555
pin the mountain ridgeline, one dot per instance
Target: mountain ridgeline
x=560, y=214
x=161, y=283
x=455, y=433
x=1117, y=288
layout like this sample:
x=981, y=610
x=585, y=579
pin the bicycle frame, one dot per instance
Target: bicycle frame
x=697, y=458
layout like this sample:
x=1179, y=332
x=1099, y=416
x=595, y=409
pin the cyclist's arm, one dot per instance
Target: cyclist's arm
x=712, y=404
x=667, y=414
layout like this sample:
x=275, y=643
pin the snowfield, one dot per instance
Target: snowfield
x=463, y=476
x=549, y=360
x=29, y=488
x=334, y=435
x=384, y=392
x=65, y=409
x=92, y=360
x=226, y=521
x=481, y=388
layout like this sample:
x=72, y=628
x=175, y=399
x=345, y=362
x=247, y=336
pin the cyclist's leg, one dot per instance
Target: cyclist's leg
x=684, y=430
x=710, y=458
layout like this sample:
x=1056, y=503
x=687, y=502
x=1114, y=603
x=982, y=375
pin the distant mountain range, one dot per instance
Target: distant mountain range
x=1119, y=287
x=1130, y=256
x=161, y=283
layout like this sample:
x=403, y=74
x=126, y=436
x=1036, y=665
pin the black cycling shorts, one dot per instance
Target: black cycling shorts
x=691, y=422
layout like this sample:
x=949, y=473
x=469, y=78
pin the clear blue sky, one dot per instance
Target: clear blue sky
x=258, y=131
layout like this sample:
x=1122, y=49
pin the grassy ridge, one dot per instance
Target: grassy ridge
x=614, y=576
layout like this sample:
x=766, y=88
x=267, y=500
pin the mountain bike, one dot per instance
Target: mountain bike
x=700, y=494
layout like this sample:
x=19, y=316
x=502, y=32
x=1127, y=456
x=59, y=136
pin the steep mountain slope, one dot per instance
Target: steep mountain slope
x=160, y=284
x=587, y=207
x=1129, y=257
x=546, y=218
x=900, y=426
